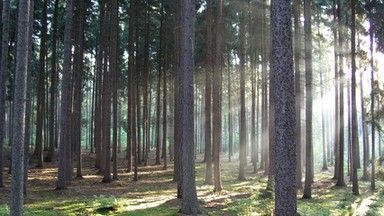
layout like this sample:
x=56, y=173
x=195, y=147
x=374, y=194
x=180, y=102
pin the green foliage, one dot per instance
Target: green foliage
x=4, y=209
x=260, y=202
x=105, y=204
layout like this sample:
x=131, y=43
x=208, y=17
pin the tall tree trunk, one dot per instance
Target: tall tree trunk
x=17, y=197
x=208, y=96
x=190, y=204
x=230, y=112
x=28, y=107
x=114, y=79
x=243, y=130
x=337, y=104
x=52, y=108
x=3, y=81
x=355, y=186
x=373, y=90
x=216, y=103
x=323, y=130
x=64, y=148
x=131, y=83
x=363, y=124
x=146, y=81
x=282, y=70
x=340, y=179
x=78, y=79
x=308, y=101
x=41, y=87
x=297, y=53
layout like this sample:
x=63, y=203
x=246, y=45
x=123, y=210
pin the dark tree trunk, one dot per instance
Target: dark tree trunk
x=208, y=97
x=373, y=89
x=355, y=185
x=190, y=204
x=283, y=73
x=114, y=79
x=41, y=88
x=230, y=114
x=217, y=124
x=243, y=128
x=28, y=107
x=64, y=148
x=52, y=108
x=3, y=81
x=297, y=52
x=78, y=79
x=17, y=198
x=340, y=179
x=308, y=101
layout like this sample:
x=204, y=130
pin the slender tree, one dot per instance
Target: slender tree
x=243, y=132
x=217, y=124
x=64, y=148
x=53, y=88
x=41, y=87
x=208, y=97
x=17, y=197
x=373, y=90
x=308, y=100
x=340, y=179
x=282, y=70
x=297, y=53
x=189, y=204
x=355, y=186
x=3, y=81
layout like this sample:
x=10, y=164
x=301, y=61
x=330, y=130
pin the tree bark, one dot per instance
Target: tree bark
x=17, y=198
x=64, y=148
x=282, y=70
x=3, y=81
x=217, y=125
x=190, y=204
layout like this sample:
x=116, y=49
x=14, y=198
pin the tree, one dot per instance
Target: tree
x=243, y=130
x=355, y=186
x=217, y=125
x=78, y=82
x=64, y=148
x=297, y=53
x=283, y=73
x=53, y=89
x=340, y=179
x=17, y=197
x=308, y=100
x=41, y=88
x=189, y=203
x=3, y=80
x=208, y=97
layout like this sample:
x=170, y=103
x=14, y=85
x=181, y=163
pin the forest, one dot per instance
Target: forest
x=191, y=107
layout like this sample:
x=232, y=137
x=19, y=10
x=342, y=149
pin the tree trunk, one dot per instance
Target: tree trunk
x=355, y=136
x=308, y=101
x=373, y=89
x=17, y=198
x=208, y=97
x=283, y=73
x=3, y=81
x=114, y=79
x=340, y=179
x=52, y=108
x=243, y=130
x=217, y=125
x=190, y=204
x=64, y=148
x=297, y=52
x=41, y=88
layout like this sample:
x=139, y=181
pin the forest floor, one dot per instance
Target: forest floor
x=155, y=193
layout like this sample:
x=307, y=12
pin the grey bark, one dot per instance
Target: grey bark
x=285, y=119
x=217, y=125
x=189, y=203
x=308, y=101
x=17, y=197
x=64, y=146
x=3, y=81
